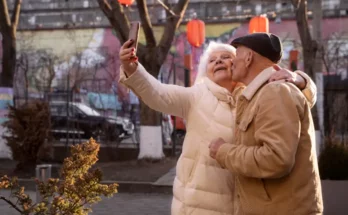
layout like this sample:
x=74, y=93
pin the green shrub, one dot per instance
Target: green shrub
x=333, y=161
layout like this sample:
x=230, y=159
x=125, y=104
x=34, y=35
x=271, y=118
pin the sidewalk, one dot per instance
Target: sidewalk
x=163, y=185
x=120, y=204
x=167, y=179
x=154, y=198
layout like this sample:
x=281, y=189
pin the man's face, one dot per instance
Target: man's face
x=240, y=63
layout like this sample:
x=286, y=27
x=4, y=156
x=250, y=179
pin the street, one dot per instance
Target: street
x=120, y=204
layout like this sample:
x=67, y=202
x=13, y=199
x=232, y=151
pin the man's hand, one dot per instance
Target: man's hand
x=289, y=76
x=214, y=146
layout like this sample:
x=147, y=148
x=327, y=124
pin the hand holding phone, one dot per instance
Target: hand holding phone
x=134, y=34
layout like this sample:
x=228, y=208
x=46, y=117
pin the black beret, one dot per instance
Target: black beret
x=267, y=45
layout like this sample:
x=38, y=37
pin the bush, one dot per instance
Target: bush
x=28, y=128
x=333, y=161
x=74, y=194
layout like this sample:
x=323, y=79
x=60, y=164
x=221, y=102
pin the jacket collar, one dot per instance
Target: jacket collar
x=221, y=93
x=257, y=83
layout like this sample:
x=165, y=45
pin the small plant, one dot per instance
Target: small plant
x=79, y=188
x=333, y=161
x=28, y=128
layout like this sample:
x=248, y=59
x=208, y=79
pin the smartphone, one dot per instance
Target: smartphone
x=134, y=34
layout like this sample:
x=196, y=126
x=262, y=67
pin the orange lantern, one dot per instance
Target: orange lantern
x=293, y=60
x=195, y=30
x=126, y=2
x=258, y=24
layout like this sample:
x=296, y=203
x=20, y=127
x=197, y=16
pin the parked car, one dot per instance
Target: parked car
x=85, y=122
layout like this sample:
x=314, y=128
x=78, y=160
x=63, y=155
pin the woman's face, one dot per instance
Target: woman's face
x=219, y=69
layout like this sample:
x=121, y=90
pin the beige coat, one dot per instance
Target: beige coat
x=201, y=186
x=274, y=157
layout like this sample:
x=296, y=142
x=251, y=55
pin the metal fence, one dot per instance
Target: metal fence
x=336, y=108
x=77, y=115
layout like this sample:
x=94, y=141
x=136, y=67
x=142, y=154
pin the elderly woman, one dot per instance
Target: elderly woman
x=201, y=185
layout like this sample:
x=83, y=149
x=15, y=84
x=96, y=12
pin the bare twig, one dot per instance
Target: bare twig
x=12, y=204
x=5, y=21
x=296, y=3
x=170, y=28
x=166, y=8
x=15, y=14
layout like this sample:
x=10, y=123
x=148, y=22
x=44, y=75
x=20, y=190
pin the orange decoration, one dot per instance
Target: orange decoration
x=293, y=60
x=259, y=24
x=195, y=30
x=126, y=2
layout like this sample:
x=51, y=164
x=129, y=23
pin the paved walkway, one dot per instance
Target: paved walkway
x=120, y=204
x=167, y=179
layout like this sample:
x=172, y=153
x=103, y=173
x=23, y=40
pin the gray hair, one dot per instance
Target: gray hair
x=203, y=63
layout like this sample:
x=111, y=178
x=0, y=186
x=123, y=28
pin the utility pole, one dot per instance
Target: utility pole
x=317, y=35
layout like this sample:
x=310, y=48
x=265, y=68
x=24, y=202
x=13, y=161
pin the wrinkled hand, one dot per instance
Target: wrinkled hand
x=214, y=146
x=287, y=75
x=129, y=60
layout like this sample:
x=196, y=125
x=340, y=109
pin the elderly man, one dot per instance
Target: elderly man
x=273, y=155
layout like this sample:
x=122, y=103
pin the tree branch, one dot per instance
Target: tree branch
x=15, y=14
x=12, y=204
x=118, y=19
x=168, y=12
x=311, y=45
x=164, y=5
x=146, y=23
x=296, y=3
x=169, y=30
x=5, y=18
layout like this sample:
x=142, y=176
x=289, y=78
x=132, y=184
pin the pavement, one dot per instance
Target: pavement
x=167, y=179
x=155, y=198
x=119, y=204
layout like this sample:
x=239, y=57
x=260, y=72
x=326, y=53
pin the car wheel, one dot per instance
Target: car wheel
x=114, y=135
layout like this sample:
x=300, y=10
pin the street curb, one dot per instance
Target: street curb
x=124, y=186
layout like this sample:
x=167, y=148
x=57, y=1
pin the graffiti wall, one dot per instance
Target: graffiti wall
x=6, y=98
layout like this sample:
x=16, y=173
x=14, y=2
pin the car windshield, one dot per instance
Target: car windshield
x=87, y=110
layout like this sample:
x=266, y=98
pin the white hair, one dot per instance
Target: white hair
x=203, y=63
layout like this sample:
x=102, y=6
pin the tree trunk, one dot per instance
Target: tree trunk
x=309, y=58
x=151, y=142
x=152, y=56
x=309, y=47
x=8, y=60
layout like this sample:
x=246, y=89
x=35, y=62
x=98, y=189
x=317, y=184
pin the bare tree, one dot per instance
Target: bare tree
x=335, y=60
x=152, y=56
x=21, y=81
x=44, y=70
x=309, y=46
x=8, y=29
x=335, y=53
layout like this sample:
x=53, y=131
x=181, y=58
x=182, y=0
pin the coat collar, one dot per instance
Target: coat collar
x=221, y=93
x=257, y=83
